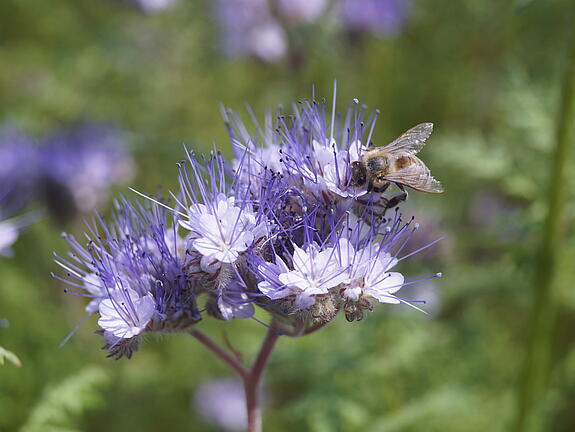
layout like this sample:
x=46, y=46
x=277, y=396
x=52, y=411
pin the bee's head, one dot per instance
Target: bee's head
x=358, y=174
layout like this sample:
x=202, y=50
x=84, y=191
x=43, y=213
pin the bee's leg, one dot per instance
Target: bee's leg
x=396, y=199
x=381, y=189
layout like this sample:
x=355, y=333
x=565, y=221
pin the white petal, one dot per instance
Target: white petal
x=390, y=284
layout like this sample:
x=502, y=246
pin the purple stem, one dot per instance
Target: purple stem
x=251, y=377
x=252, y=382
x=228, y=358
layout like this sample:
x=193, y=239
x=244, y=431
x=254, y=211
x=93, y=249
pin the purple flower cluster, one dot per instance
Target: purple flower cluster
x=259, y=28
x=135, y=271
x=71, y=171
x=281, y=227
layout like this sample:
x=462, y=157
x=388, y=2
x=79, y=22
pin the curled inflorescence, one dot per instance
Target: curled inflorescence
x=281, y=227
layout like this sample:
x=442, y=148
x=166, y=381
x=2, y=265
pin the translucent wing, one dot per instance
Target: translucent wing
x=411, y=141
x=416, y=176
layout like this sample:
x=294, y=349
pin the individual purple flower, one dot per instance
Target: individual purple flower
x=220, y=215
x=314, y=272
x=135, y=274
x=248, y=28
x=125, y=314
x=223, y=220
x=221, y=230
x=384, y=18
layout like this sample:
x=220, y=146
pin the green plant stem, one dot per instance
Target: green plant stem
x=535, y=374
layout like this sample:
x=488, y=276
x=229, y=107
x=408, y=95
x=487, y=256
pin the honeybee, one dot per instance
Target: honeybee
x=379, y=167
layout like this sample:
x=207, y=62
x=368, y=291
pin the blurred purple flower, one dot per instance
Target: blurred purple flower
x=19, y=168
x=248, y=28
x=384, y=18
x=80, y=165
x=302, y=11
x=18, y=177
x=222, y=403
x=152, y=6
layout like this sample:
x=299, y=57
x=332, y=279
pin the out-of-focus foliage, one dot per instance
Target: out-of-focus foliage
x=59, y=407
x=487, y=73
x=10, y=356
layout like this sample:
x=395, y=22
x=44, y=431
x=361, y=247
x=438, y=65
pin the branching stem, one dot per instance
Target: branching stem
x=251, y=377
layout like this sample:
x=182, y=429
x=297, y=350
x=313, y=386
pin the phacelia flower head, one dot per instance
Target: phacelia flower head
x=281, y=227
x=133, y=271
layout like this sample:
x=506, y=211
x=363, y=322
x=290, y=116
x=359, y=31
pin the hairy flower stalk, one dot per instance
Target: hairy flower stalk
x=280, y=228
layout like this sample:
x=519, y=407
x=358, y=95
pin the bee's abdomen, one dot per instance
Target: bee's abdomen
x=402, y=162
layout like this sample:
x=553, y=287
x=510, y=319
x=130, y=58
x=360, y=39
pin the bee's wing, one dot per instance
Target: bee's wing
x=417, y=176
x=411, y=141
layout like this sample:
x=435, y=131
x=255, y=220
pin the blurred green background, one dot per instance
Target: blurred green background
x=489, y=74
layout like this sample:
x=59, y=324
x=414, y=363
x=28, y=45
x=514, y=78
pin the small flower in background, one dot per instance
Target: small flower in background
x=222, y=404
x=72, y=171
x=383, y=18
x=494, y=212
x=263, y=29
x=248, y=28
x=152, y=6
x=301, y=11
x=80, y=165
x=19, y=169
x=17, y=178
